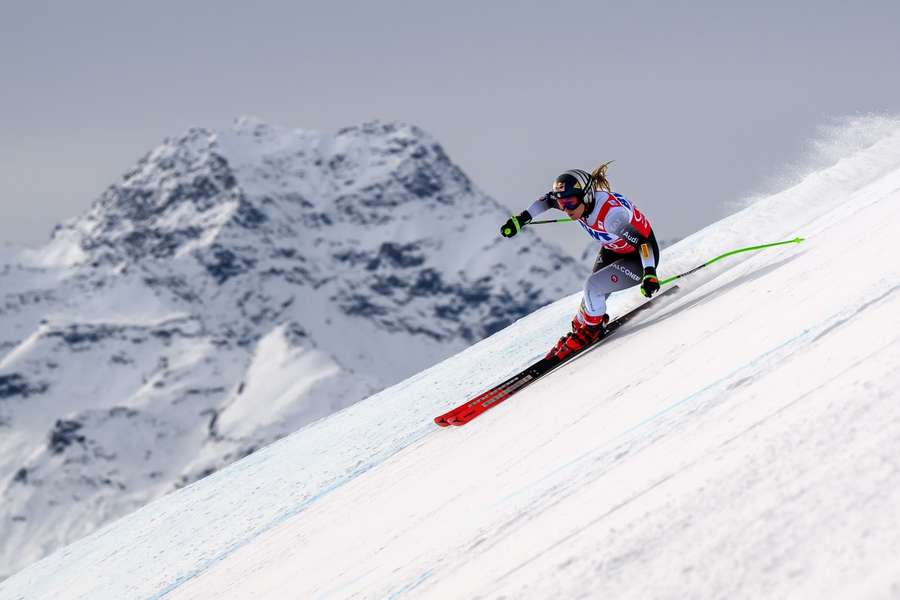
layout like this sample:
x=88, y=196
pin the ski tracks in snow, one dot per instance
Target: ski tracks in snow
x=568, y=479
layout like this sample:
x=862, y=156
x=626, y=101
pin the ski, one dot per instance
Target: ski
x=470, y=409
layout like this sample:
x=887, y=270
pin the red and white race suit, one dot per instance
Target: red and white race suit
x=628, y=247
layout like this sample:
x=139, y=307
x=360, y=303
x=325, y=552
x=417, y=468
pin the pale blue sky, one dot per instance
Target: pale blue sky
x=699, y=104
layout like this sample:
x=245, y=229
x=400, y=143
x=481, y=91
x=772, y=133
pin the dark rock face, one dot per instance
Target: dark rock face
x=64, y=434
x=17, y=385
x=21, y=476
x=82, y=337
x=165, y=202
x=397, y=255
x=223, y=264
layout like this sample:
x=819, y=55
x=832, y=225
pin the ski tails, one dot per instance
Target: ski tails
x=485, y=401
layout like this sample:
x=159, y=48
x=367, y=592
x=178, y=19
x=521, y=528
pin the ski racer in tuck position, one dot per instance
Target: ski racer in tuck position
x=628, y=255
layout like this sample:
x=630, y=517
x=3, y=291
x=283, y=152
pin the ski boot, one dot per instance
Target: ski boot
x=583, y=334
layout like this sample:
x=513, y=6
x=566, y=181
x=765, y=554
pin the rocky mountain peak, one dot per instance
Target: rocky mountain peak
x=184, y=194
x=178, y=193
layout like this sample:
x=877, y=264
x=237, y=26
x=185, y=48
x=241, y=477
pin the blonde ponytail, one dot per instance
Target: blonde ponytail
x=598, y=176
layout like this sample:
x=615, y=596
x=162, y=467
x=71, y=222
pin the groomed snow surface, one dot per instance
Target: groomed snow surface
x=739, y=440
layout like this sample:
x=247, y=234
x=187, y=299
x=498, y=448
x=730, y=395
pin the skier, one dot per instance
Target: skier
x=628, y=256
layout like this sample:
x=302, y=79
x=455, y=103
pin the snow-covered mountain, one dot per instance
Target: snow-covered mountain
x=231, y=288
x=741, y=439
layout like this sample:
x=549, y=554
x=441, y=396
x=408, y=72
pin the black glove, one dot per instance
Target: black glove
x=514, y=224
x=650, y=284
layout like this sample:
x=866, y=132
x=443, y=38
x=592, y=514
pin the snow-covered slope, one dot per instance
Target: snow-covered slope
x=231, y=288
x=741, y=440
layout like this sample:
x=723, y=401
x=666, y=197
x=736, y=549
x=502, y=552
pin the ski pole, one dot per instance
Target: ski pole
x=707, y=263
x=721, y=256
x=550, y=221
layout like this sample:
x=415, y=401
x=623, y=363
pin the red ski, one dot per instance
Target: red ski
x=470, y=409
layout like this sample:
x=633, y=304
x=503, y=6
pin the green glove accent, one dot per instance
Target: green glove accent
x=515, y=224
x=650, y=284
x=509, y=231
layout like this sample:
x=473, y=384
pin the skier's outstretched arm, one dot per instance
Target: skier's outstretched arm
x=515, y=224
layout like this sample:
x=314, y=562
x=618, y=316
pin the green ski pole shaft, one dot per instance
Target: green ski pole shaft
x=733, y=252
x=707, y=263
x=550, y=221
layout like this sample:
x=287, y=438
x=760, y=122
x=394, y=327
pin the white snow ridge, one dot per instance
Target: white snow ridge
x=739, y=440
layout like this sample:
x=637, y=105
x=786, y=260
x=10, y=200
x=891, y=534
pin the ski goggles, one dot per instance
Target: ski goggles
x=568, y=203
